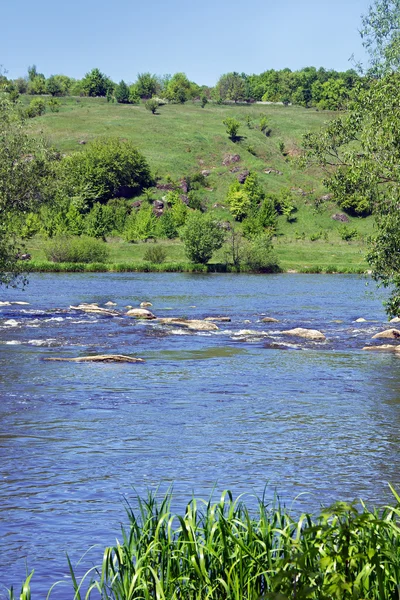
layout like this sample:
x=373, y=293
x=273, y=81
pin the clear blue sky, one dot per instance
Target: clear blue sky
x=204, y=38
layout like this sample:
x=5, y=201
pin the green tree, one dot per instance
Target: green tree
x=180, y=89
x=25, y=172
x=146, y=85
x=53, y=86
x=122, y=93
x=231, y=86
x=202, y=236
x=151, y=105
x=381, y=36
x=95, y=83
x=106, y=168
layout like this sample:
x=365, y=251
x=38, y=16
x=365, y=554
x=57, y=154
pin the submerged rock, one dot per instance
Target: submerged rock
x=99, y=358
x=221, y=319
x=95, y=309
x=194, y=324
x=140, y=313
x=383, y=348
x=310, y=334
x=388, y=333
x=269, y=320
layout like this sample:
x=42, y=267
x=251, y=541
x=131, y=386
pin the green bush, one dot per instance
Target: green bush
x=259, y=257
x=202, y=235
x=69, y=249
x=36, y=108
x=347, y=233
x=155, y=255
x=106, y=168
x=232, y=127
x=151, y=105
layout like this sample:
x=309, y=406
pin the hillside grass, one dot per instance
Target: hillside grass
x=182, y=140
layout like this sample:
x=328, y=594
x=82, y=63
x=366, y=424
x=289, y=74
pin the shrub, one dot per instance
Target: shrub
x=106, y=168
x=155, y=255
x=166, y=225
x=36, y=108
x=232, y=127
x=151, y=105
x=204, y=101
x=259, y=256
x=54, y=105
x=121, y=93
x=76, y=250
x=347, y=234
x=201, y=235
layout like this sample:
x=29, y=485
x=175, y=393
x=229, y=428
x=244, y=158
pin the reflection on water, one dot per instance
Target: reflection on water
x=227, y=408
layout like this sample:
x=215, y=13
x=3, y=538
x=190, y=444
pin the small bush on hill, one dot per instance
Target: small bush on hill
x=232, y=127
x=76, y=250
x=36, y=108
x=155, y=255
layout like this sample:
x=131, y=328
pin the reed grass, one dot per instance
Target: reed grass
x=223, y=551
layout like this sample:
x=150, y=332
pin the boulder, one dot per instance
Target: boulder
x=309, y=334
x=221, y=319
x=235, y=170
x=193, y=324
x=140, y=313
x=185, y=199
x=243, y=176
x=136, y=204
x=5, y=303
x=99, y=358
x=340, y=217
x=158, y=204
x=360, y=320
x=206, y=172
x=395, y=320
x=388, y=333
x=271, y=171
x=184, y=186
x=110, y=303
x=230, y=159
x=269, y=320
x=145, y=304
x=383, y=348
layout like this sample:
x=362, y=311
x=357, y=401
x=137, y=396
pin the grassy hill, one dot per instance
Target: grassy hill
x=182, y=140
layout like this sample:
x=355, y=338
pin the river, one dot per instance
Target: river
x=244, y=407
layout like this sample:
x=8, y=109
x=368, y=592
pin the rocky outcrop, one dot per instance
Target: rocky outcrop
x=341, y=217
x=388, y=333
x=309, y=334
x=269, y=320
x=221, y=319
x=104, y=358
x=243, y=176
x=193, y=324
x=140, y=313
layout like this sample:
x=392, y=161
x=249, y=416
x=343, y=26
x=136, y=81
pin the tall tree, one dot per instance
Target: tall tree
x=381, y=35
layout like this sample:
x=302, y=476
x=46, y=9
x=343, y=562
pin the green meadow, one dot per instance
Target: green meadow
x=183, y=140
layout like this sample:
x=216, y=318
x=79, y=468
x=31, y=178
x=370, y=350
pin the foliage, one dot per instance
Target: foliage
x=122, y=93
x=141, y=225
x=36, y=108
x=155, y=254
x=203, y=101
x=180, y=89
x=179, y=212
x=97, y=224
x=76, y=250
x=54, y=105
x=202, y=236
x=25, y=170
x=232, y=127
x=348, y=233
x=146, y=85
x=166, y=225
x=239, y=201
x=96, y=83
x=231, y=86
x=104, y=168
x=151, y=105
x=259, y=256
x=381, y=36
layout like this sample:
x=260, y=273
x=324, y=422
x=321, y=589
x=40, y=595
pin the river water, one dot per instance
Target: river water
x=244, y=407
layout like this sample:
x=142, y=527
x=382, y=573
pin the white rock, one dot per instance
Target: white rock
x=140, y=313
x=310, y=334
x=388, y=333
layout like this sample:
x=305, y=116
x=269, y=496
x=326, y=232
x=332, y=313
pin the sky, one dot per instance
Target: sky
x=202, y=38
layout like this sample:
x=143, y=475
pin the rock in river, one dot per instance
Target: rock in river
x=269, y=320
x=99, y=358
x=145, y=304
x=94, y=308
x=309, y=334
x=220, y=319
x=140, y=313
x=383, y=348
x=388, y=333
x=194, y=324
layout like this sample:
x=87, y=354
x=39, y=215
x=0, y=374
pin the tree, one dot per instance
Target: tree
x=202, y=235
x=231, y=86
x=151, y=105
x=146, y=85
x=53, y=86
x=106, y=168
x=122, y=93
x=25, y=168
x=95, y=83
x=180, y=89
x=381, y=36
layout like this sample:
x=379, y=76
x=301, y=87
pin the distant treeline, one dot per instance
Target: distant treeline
x=309, y=87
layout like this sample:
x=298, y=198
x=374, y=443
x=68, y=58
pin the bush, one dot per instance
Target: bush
x=151, y=105
x=36, y=108
x=76, y=250
x=232, y=127
x=106, y=168
x=258, y=255
x=54, y=105
x=347, y=234
x=201, y=235
x=155, y=255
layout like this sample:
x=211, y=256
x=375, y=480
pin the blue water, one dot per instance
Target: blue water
x=244, y=407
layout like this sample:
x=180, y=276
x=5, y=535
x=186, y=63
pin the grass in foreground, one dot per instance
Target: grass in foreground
x=221, y=551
